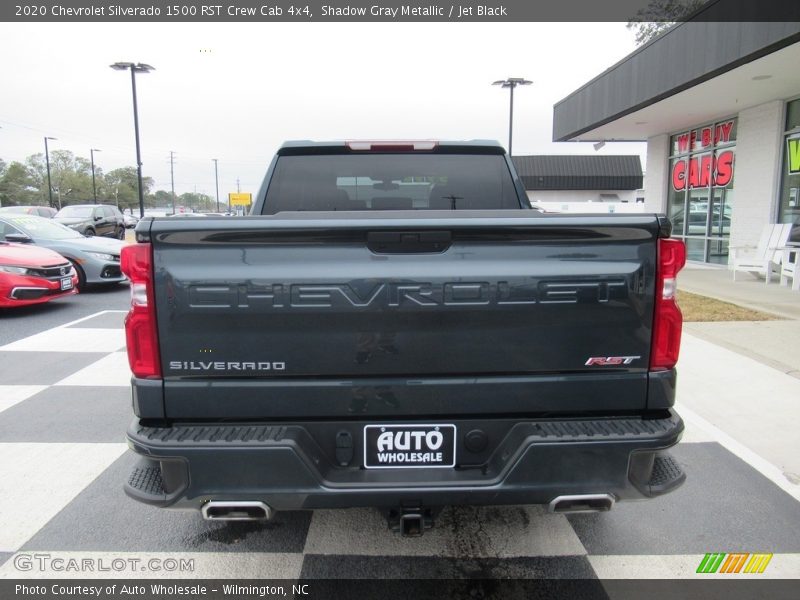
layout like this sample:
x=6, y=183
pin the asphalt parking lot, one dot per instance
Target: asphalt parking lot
x=65, y=405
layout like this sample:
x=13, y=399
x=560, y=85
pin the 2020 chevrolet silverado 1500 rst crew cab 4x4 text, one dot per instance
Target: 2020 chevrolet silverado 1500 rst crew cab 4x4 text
x=398, y=329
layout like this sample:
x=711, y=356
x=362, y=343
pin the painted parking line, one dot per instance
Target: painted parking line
x=40, y=479
x=763, y=466
x=86, y=318
x=56, y=339
x=113, y=370
x=14, y=394
x=746, y=406
x=64, y=339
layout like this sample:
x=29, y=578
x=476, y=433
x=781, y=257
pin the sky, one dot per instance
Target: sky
x=236, y=91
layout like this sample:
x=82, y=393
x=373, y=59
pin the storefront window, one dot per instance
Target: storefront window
x=695, y=249
x=790, y=186
x=700, y=199
x=698, y=212
x=677, y=200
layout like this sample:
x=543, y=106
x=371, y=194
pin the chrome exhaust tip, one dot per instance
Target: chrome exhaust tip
x=582, y=503
x=242, y=510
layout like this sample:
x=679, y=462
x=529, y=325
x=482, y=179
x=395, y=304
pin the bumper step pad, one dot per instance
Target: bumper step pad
x=667, y=474
x=656, y=473
x=145, y=484
x=146, y=481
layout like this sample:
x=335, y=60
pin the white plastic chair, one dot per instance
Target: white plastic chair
x=765, y=258
x=790, y=267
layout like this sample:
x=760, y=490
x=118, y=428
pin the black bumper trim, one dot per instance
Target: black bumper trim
x=535, y=461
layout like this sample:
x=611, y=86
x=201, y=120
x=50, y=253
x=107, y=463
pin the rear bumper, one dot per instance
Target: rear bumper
x=296, y=466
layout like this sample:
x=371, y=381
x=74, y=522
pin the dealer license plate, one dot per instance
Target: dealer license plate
x=66, y=283
x=409, y=446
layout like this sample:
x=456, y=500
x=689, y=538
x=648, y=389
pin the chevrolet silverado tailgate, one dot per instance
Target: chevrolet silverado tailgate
x=337, y=314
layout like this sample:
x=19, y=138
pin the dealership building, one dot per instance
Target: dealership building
x=568, y=182
x=718, y=104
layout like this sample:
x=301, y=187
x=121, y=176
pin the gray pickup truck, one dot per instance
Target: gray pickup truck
x=393, y=326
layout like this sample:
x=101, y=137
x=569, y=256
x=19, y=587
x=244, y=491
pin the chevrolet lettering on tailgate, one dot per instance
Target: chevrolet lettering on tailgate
x=421, y=294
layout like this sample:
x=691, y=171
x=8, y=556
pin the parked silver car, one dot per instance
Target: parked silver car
x=96, y=260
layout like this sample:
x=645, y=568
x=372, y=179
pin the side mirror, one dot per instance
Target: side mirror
x=20, y=238
x=98, y=218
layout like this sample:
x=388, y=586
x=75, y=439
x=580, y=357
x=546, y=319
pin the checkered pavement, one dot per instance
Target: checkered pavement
x=65, y=405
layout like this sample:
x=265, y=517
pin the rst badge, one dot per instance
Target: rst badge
x=608, y=361
x=409, y=446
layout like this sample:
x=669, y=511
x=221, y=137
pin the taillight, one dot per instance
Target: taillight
x=140, y=324
x=667, y=319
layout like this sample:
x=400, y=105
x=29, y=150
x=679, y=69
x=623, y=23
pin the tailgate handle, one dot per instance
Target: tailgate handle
x=408, y=242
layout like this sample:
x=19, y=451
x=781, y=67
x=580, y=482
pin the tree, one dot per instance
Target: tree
x=37, y=170
x=71, y=177
x=3, y=169
x=195, y=201
x=71, y=181
x=120, y=186
x=659, y=16
x=162, y=199
x=18, y=185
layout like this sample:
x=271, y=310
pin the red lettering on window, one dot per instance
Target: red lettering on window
x=679, y=175
x=724, y=132
x=702, y=171
x=705, y=169
x=705, y=136
x=694, y=173
x=724, y=169
x=683, y=142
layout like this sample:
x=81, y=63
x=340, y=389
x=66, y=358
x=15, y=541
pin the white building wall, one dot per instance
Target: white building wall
x=756, y=171
x=585, y=201
x=655, y=174
x=578, y=195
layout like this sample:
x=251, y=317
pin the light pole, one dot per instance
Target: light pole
x=47, y=160
x=511, y=83
x=216, y=180
x=172, y=180
x=94, y=187
x=135, y=68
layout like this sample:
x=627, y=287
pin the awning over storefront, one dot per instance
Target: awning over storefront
x=693, y=73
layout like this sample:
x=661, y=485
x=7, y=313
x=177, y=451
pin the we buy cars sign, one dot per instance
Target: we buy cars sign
x=704, y=169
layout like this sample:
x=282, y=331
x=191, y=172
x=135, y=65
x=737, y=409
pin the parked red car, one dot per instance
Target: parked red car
x=32, y=275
